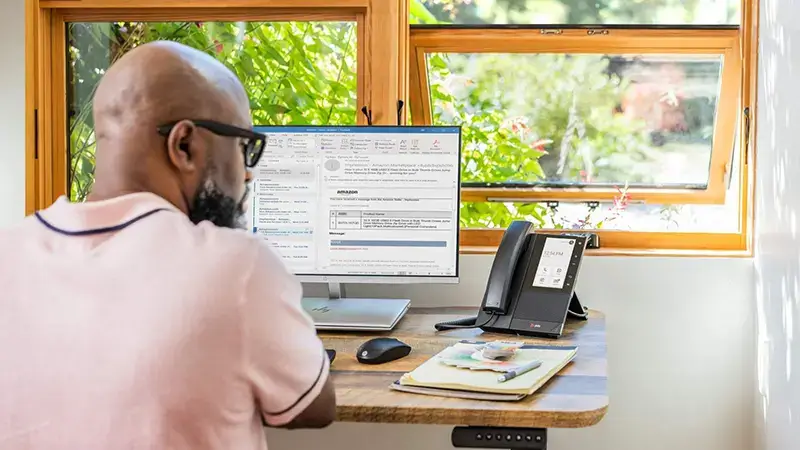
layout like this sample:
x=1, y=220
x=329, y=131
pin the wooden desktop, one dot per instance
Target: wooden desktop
x=576, y=397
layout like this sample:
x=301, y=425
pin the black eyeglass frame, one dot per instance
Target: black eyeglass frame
x=252, y=149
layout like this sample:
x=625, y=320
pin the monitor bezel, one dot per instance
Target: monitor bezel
x=385, y=278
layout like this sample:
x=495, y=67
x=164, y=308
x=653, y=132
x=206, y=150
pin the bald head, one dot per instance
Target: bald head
x=161, y=83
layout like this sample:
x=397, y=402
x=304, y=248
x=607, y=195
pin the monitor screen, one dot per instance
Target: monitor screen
x=371, y=201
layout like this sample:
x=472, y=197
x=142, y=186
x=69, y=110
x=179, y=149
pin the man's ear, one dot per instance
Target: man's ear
x=184, y=146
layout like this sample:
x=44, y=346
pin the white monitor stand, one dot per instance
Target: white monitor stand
x=338, y=312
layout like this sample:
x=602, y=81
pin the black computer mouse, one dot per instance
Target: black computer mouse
x=382, y=350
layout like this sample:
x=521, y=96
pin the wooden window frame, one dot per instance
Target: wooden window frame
x=725, y=43
x=737, y=94
x=390, y=73
x=381, y=42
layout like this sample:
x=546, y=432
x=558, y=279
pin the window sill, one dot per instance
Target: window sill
x=490, y=250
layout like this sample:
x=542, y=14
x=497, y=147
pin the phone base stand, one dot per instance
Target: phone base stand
x=576, y=309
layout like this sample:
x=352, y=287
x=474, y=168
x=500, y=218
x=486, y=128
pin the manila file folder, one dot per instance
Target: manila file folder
x=436, y=378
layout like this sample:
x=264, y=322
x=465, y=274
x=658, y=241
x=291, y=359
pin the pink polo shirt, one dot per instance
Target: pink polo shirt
x=125, y=326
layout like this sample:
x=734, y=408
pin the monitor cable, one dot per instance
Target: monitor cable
x=400, y=104
x=367, y=114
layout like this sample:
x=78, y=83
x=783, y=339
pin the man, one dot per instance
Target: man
x=139, y=319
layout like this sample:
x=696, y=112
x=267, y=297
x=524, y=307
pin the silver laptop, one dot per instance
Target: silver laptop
x=368, y=314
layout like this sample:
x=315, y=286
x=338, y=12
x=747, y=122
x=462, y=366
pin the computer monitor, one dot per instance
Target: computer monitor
x=360, y=204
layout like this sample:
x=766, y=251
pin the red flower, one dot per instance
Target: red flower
x=218, y=46
x=518, y=125
x=539, y=145
x=621, y=201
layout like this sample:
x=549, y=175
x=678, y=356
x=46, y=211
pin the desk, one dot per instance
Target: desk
x=576, y=397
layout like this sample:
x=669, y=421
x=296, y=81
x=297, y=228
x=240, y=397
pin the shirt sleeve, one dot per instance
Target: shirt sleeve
x=284, y=360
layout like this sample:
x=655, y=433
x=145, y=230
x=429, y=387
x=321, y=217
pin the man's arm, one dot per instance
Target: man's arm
x=320, y=413
x=284, y=360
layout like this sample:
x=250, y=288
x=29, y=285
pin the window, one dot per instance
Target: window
x=294, y=72
x=301, y=61
x=577, y=12
x=630, y=118
x=619, y=117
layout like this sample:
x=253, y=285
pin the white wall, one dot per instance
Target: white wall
x=680, y=344
x=778, y=244
x=12, y=111
x=681, y=353
x=680, y=330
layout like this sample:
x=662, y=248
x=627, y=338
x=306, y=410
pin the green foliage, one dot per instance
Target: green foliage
x=664, y=12
x=565, y=101
x=563, y=127
x=492, y=150
x=419, y=14
x=530, y=119
x=294, y=72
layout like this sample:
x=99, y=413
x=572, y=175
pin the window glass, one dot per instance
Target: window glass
x=294, y=72
x=567, y=120
x=576, y=12
x=622, y=214
x=625, y=212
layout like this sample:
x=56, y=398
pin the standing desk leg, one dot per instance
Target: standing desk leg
x=500, y=437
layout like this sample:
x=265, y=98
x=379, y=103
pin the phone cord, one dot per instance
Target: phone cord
x=467, y=322
x=585, y=314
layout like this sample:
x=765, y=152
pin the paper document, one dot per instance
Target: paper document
x=436, y=374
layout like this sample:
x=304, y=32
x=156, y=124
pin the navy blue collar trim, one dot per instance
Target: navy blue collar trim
x=97, y=230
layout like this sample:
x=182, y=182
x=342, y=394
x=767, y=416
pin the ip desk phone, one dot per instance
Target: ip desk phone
x=531, y=287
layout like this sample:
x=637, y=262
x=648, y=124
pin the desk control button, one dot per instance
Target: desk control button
x=499, y=437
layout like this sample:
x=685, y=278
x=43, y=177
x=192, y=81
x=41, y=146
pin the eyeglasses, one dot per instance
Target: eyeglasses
x=252, y=142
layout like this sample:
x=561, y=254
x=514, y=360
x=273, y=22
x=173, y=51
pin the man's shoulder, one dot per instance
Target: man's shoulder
x=15, y=232
x=248, y=249
x=265, y=277
x=26, y=223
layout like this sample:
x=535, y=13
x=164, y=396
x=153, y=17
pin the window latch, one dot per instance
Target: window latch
x=746, y=138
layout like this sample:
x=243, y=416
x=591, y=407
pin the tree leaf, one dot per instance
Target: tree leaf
x=275, y=109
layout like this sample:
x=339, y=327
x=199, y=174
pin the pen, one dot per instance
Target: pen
x=515, y=373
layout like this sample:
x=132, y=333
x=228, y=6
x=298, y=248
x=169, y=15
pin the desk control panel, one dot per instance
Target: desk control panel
x=499, y=437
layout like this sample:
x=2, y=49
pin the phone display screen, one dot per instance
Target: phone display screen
x=556, y=257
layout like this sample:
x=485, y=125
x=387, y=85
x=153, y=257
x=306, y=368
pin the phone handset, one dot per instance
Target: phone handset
x=495, y=299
